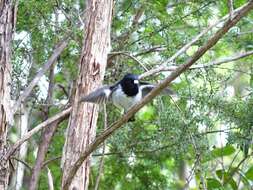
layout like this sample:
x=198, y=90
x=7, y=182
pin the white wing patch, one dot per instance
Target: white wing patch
x=107, y=93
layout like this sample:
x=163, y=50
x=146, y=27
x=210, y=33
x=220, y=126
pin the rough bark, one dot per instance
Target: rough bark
x=82, y=124
x=7, y=22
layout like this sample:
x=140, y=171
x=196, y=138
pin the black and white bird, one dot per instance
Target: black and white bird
x=124, y=94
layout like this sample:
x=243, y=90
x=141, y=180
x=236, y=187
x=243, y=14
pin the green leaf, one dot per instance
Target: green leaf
x=146, y=113
x=225, y=176
x=249, y=173
x=213, y=184
x=224, y=151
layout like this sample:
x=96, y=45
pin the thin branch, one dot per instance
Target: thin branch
x=231, y=8
x=201, y=51
x=21, y=161
x=234, y=170
x=186, y=47
x=62, y=115
x=130, y=56
x=225, y=60
x=59, y=47
x=215, y=63
x=151, y=50
x=47, y=133
x=56, y=53
x=50, y=160
x=123, y=38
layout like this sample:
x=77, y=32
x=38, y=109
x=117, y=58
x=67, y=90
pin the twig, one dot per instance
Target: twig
x=152, y=49
x=225, y=60
x=108, y=132
x=215, y=63
x=231, y=8
x=50, y=160
x=130, y=56
x=21, y=161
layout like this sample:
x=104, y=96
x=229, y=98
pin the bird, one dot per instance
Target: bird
x=124, y=94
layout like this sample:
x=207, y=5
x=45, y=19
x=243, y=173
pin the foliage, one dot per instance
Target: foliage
x=205, y=134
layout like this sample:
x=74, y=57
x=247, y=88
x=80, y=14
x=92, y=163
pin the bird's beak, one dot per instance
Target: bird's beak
x=136, y=81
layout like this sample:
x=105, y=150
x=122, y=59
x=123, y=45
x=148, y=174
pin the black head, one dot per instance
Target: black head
x=130, y=84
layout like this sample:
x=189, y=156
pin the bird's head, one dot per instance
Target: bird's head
x=130, y=84
x=131, y=78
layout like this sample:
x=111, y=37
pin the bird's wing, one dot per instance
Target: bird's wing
x=99, y=96
x=146, y=88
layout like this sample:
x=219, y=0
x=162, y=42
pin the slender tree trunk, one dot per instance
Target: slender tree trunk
x=46, y=137
x=7, y=22
x=82, y=124
x=22, y=125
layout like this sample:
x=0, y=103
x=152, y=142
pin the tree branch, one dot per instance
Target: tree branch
x=225, y=60
x=57, y=51
x=62, y=115
x=108, y=132
x=112, y=54
x=215, y=63
x=230, y=8
x=186, y=47
x=21, y=161
x=59, y=47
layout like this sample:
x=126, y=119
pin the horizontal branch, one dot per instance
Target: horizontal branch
x=215, y=63
x=108, y=132
x=60, y=116
x=225, y=60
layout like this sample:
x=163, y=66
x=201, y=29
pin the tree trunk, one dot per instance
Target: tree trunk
x=82, y=124
x=7, y=22
x=21, y=121
x=46, y=137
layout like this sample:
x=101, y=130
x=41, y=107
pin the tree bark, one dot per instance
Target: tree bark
x=7, y=22
x=82, y=124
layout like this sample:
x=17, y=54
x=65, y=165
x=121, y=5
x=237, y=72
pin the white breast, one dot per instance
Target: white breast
x=120, y=100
